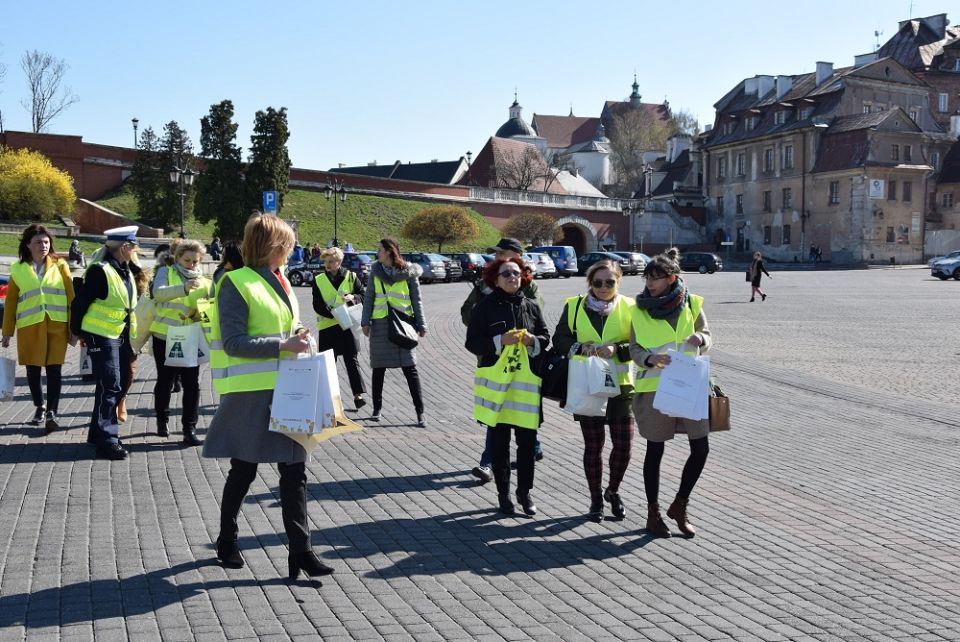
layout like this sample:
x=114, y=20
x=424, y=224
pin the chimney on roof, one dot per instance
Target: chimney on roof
x=750, y=86
x=937, y=24
x=434, y=160
x=783, y=86
x=864, y=59
x=764, y=85
x=372, y=164
x=824, y=71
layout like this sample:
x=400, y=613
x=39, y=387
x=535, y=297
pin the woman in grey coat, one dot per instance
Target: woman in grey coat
x=389, y=270
x=239, y=428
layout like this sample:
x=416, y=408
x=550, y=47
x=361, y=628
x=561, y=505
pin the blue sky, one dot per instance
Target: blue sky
x=412, y=81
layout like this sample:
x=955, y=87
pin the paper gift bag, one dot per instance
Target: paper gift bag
x=183, y=346
x=579, y=399
x=86, y=363
x=602, y=382
x=8, y=378
x=348, y=316
x=719, y=410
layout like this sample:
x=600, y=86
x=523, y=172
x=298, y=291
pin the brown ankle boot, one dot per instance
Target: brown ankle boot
x=678, y=511
x=655, y=524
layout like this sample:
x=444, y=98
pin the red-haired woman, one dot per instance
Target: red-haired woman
x=508, y=334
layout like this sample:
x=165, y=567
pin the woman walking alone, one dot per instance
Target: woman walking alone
x=756, y=270
x=667, y=317
x=393, y=283
x=39, y=297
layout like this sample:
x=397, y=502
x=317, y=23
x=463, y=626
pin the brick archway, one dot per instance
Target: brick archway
x=579, y=233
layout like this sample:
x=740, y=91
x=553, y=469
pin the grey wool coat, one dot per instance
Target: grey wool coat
x=239, y=428
x=384, y=354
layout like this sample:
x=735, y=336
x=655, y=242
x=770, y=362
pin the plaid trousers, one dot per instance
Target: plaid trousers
x=594, y=434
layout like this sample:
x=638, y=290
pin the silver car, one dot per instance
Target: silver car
x=542, y=263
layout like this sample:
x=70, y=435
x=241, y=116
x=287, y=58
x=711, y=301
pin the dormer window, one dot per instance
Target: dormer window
x=805, y=113
x=780, y=117
x=750, y=123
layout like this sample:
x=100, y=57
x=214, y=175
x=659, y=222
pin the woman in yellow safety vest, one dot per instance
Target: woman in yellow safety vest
x=667, y=317
x=598, y=324
x=333, y=287
x=177, y=287
x=508, y=334
x=39, y=296
x=256, y=318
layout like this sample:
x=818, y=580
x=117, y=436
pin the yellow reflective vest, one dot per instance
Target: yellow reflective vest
x=39, y=297
x=616, y=329
x=334, y=297
x=267, y=316
x=508, y=392
x=657, y=336
x=107, y=317
x=396, y=295
x=168, y=312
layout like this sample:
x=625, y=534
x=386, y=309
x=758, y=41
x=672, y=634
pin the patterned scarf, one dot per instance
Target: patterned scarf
x=601, y=307
x=665, y=305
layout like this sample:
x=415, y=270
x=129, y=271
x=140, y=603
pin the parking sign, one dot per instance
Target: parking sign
x=269, y=202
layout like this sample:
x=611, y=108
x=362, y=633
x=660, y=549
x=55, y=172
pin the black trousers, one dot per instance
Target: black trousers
x=189, y=378
x=54, y=382
x=352, y=363
x=500, y=456
x=293, y=501
x=699, y=449
x=413, y=383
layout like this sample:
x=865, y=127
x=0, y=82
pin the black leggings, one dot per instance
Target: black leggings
x=413, y=382
x=53, y=386
x=699, y=449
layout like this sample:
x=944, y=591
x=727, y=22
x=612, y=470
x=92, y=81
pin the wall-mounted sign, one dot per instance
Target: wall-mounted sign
x=875, y=188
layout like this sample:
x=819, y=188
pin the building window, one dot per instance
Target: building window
x=766, y=235
x=786, y=235
x=834, y=192
x=890, y=236
x=948, y=200
x=914, y=114
x=935, y=161
x=739, y=203
x=895, y=152
x=719, y=206
x=749, y=123
x=956, y=64
x=877, y=108
x=768, y=201
x=892, y=191
x=786, y=162
x=768, y=159
x=907, y=191
x=787, y=198
x=942, y=103
x=867, y=108
x=907, y=153
x=741, y=164
x=805, y=113
x=722, y=167
x=780, y=117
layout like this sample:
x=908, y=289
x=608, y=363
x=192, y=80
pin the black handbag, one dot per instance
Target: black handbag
x=400, y=329
x=554, y=368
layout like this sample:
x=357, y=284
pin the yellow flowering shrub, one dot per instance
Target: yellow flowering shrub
x=31, y=188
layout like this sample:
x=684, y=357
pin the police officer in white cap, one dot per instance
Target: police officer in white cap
x=103, y=317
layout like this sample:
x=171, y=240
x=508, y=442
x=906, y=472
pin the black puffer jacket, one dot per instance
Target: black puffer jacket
x=499, y=312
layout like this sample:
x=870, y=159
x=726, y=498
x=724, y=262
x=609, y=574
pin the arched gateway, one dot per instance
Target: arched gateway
x=578, y=232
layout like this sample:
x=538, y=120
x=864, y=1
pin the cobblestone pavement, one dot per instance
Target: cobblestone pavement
x=830, y=512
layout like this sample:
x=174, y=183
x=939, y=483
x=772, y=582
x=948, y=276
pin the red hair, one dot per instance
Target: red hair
x=492, y=271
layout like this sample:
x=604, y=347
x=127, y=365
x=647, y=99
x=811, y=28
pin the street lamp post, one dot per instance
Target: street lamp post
x=337, y=192
x=633, y=209
x=135, y=123
x=184, y=179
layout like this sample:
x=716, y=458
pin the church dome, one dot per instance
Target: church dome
x=516, y=126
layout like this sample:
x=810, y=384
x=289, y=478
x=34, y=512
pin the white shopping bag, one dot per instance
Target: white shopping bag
x=183, y=346
x=348, y=316
x=203, y=350
x=306, y=395
x=603, y=382
x=86, y=363
x=8, y=378
x=579, y=400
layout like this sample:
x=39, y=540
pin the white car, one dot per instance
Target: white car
x=542, y=263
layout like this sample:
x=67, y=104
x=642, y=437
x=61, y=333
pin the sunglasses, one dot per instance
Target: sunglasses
x=509, y=274
x=601, y=283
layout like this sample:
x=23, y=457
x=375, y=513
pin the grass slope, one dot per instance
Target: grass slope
x=362, y=220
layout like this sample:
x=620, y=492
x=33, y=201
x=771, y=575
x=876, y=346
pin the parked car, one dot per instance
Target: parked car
x=953, y=255
x=304, y=273
x=564, y=258
x=645, y=257
x=470, y=262
x=542, y=263
x=433, y=269
x=945, y=268
x=4, y=282
x=702, y=262
x=637, y=262
x=451, y=267
x=588, y=259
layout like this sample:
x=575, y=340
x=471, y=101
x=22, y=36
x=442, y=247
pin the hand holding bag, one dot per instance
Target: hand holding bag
x=579, y=400
x=601, y=382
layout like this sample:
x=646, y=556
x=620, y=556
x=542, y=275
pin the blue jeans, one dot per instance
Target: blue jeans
x=111, y=369
x=485, y=458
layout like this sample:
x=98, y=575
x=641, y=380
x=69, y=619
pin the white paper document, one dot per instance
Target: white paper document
x=683, y=388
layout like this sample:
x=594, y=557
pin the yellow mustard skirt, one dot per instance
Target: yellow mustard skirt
x=42, y=344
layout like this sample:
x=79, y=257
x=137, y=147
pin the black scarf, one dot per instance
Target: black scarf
x=665, y=305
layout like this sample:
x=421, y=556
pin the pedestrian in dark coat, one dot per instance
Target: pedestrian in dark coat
x=389, y=271
x=756, y=270
x=333, y=337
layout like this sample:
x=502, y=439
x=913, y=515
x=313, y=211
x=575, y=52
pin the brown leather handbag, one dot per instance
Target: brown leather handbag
x=719, y=409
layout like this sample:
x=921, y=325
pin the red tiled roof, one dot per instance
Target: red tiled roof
x=496, y=159
x=565, y=131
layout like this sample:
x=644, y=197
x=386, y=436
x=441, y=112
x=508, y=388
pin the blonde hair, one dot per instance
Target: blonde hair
x=264, y=237
x=187, y=245
x=604, y=265
x=331, y=251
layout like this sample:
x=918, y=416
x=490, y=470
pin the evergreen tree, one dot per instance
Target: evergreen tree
x=219, y=189
x=150, y=177
x=269, y=167
x=176, y=151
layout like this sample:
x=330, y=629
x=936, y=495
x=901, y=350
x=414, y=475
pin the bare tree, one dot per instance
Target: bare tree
x=637, y=131
x=48, y=99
